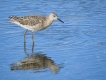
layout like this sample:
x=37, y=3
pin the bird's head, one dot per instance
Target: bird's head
x=54, y=16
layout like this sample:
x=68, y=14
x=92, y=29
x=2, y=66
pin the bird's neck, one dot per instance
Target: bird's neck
x=49, y=21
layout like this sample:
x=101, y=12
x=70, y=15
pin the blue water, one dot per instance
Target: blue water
x=78, y=46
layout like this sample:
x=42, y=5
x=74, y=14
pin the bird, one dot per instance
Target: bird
x=34, y=22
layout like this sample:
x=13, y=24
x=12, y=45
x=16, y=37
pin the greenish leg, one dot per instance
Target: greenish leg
x=32, y=43
x=25, y=49
x=25, y=36
x=25, y=42
x=33, y=48
x=32, y=38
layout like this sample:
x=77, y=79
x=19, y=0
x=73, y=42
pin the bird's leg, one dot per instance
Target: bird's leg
x=32, y=43
x=33, y=48
x=25, y=49
x=32, y=38
x=25, y=41
x=25, y=36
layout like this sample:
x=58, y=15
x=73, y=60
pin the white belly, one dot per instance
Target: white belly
x=32, y=28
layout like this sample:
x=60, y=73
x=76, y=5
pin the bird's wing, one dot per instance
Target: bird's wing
x=31, y=20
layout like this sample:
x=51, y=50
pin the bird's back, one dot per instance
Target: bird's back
x=30, y=22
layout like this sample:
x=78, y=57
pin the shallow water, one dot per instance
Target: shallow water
x=77, y=47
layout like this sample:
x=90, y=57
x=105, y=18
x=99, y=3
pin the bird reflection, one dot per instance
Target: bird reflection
x=37, y=62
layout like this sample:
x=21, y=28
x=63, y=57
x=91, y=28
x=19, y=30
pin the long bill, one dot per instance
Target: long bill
x=60, y=20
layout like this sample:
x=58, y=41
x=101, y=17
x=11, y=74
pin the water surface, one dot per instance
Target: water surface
x=77, y=47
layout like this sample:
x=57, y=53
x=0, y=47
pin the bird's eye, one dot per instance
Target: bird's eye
x=54, y=16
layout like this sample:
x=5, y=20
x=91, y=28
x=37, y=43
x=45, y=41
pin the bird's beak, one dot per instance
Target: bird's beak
x=60, y=20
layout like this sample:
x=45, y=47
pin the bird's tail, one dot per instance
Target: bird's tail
x=12, y=18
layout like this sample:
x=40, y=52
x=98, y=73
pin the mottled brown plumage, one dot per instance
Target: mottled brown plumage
x=31, y=20
x=34, y=22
